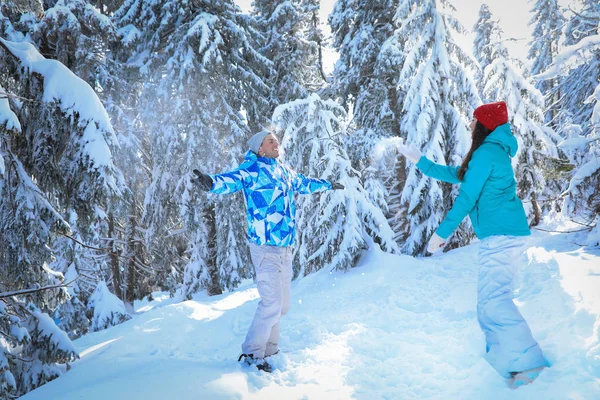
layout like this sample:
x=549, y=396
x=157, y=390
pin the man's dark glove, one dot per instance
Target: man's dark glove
x=337, y=186
x=203, y=181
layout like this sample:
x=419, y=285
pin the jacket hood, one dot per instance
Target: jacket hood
x=503, y=136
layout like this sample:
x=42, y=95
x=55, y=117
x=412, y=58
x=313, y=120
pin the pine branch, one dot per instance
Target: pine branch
x=17, y=357
x=585, y=17
x=6, y=95
x=26, y=291
x=85, y=245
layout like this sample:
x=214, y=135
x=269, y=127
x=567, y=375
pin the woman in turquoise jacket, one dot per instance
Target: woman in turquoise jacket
x=488, y=195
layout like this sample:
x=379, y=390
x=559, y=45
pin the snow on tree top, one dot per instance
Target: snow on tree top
x=63, y=86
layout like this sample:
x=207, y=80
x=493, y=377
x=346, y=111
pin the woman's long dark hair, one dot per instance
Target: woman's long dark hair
x=479, y=134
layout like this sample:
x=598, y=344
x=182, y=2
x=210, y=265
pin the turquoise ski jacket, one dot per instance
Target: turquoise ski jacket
x=269, y=188
x=488, y=191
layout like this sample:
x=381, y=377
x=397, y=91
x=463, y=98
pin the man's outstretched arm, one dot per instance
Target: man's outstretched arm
x=225, y=183
x=304, y=185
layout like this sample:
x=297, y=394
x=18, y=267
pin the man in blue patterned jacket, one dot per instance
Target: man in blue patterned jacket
x=269, y=188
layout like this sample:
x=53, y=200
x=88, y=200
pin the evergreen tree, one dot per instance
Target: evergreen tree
x=105, y=309
x=65, y=145
x=548, y=22
x=582, y=193
x=333, y=227
x=292, y=41
x=365, y=80
x=62, y=146
x=57, y=166
x=579, y=84
x=486, y=33
x=205, y=86
x=537, y=155
x=70, y=315
x=66, y=28
x=440, y=98
x=33, y=351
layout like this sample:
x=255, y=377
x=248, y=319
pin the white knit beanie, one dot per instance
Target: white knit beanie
x=256, y=140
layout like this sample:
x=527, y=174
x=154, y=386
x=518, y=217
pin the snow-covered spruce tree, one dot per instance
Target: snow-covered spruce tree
x=132, y=277
x=202, y=71
x=284, y=28
x=548, y=23
x=582, y=196
x=72, y=262
x=583, y=192
x=122, y=94
x=333, y=227
x=316, y=76
x=440, y=98
x=365, y=76
x=65, y=29
x=66, y=135
x=63, y=142
x=365, y=81
x=360, y=29
x=486, y=33
x=141, y=35
x=537, y=157
x=579, y=84
x=76, y=34
x=105, y=309
x=33, y=350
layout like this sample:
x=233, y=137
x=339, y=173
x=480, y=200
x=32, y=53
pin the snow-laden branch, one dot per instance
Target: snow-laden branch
x=33, y=290
x=570, y=58
x=76, y=98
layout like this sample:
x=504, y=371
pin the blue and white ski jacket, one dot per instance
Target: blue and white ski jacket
x=269, y=188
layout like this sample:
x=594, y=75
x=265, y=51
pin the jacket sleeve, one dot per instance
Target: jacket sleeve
x=232, y=181
x=437, y=171
x=477, y=174
x=304, y=185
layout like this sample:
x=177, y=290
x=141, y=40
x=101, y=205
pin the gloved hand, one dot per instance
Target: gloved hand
x=337, y=186
x=203, y=181
x=411, y=152
x=436, y=243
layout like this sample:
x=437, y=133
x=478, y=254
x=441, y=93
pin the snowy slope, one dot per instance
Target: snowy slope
x=395, y=327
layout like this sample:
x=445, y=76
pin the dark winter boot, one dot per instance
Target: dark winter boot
x=260, y=363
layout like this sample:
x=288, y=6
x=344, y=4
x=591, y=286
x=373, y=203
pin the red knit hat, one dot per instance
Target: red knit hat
x=492, y=115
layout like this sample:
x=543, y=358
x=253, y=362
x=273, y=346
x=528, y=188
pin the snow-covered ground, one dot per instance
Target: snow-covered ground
x=394, y=327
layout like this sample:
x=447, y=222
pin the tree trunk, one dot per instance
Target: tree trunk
x=536, y=210
x=130, y=291
x=114, y=258
x=214, y=286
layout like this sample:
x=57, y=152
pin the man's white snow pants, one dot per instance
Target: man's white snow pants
x=510, y=345
x=273, y=267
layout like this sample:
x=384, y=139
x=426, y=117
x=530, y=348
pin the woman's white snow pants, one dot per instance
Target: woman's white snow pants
x=273, y=267
x=510, y=346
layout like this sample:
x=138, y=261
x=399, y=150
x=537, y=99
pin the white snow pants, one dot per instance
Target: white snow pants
x=510, y=346
x=273, y=267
